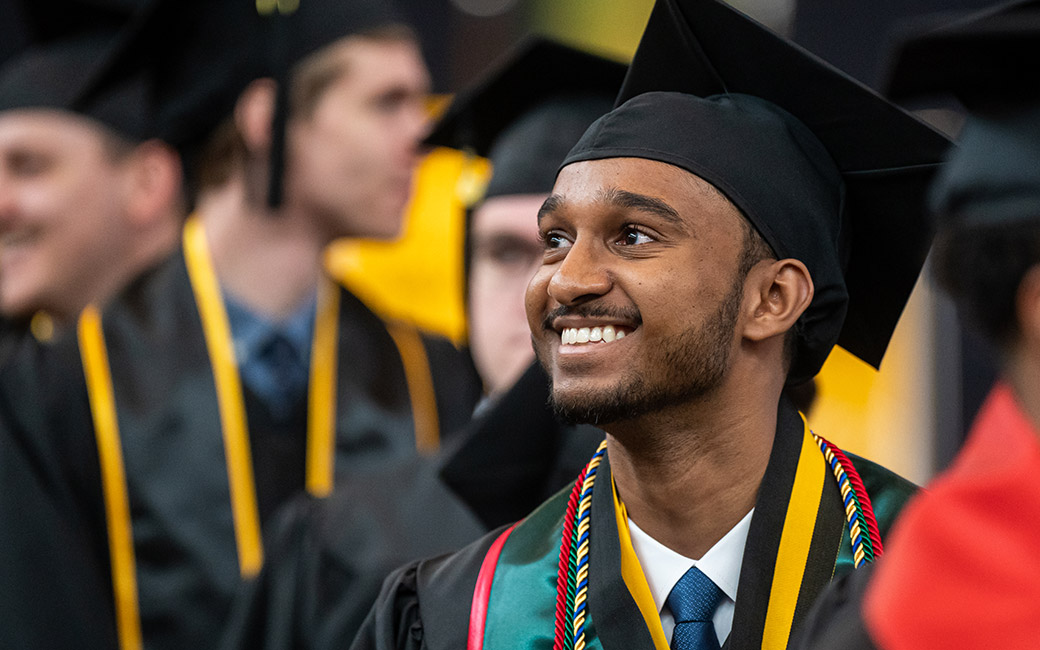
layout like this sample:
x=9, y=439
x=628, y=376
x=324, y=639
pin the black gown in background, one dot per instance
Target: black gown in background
x=186, y=568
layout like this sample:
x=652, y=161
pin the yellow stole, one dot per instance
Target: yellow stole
x=795, y=542
x=321, y=420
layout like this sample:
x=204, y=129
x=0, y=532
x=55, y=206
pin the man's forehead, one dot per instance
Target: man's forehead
x=515, y=212
x=43, y=122
x=636, y=183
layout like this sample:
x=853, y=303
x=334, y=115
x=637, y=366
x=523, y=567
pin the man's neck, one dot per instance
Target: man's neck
x=269, y=261
x=688, y=474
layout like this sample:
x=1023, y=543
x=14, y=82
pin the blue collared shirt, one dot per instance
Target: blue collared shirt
x=273, y=357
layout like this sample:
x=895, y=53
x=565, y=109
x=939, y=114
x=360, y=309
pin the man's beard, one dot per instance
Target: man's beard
x=686, y=367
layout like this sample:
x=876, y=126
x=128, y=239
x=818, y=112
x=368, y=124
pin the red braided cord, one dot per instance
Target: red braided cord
x=864, y=499
x=565, y=547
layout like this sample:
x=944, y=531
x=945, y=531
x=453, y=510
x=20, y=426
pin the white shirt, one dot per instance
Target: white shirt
x=663, y=567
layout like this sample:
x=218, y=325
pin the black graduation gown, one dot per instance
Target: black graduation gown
x=427, y=604
x=515, y=454
x=328, y=557
x=186, y=557
x=835, y=621
x=54, y=593
x=324, y=571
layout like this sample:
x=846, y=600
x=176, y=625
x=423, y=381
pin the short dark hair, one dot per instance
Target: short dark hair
x=754, y=250
x=981, y=268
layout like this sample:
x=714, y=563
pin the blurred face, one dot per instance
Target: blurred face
x=60, y=211
x=635, y=305
x=353, y=154
x=506, y=251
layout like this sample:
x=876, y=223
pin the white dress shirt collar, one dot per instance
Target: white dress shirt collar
x=663, y=567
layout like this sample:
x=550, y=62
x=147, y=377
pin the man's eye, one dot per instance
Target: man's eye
x=554, y=240
x=28, y=164
x=519, y=254
x=631, y=237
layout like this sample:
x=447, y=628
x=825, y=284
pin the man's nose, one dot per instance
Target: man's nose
x=7, y=201
x=583, y=275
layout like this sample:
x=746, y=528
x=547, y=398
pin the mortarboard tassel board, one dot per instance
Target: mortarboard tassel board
x=828, y=171
x=528, y=110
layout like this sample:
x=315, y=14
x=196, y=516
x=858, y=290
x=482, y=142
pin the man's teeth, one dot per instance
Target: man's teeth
x=576, y=335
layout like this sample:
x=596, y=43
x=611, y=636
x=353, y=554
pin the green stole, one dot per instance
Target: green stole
x=797, y=542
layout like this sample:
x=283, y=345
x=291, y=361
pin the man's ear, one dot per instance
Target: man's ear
x=254, y=112
x=778, y=292
x=1027, y=305
x=154, y=182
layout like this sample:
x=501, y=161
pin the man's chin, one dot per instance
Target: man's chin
x=597, y=409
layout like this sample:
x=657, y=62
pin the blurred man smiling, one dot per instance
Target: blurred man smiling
x=88, y=199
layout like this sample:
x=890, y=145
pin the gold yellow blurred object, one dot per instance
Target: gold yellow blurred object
x=419, y=277
x=610, y=27
x=42, y=326
x=888, y=415
x=473, y=180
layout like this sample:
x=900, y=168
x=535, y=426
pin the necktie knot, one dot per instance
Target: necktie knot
x=694, y=597
x=693, y=601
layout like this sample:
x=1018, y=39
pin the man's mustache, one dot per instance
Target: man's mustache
x=631, y=316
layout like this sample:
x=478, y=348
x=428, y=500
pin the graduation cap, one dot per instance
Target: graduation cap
x=990, y=62
x=203, y=54
x=69, y=46
x=527, y=112
x=828, y=171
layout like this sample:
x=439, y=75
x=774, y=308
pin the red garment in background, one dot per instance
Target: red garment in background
x=962, y=566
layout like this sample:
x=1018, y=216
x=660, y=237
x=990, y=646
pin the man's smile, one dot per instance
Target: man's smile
x=597, y=334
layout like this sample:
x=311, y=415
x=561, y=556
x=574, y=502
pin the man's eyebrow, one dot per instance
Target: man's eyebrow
x=550, y=204
x=633, y=201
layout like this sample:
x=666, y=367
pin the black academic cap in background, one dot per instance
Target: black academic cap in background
x=204, y=53
x=989, y=62
x=55, y=75
x=828, y=171
x=528, y=110
x=984, y=56
x=70, y=43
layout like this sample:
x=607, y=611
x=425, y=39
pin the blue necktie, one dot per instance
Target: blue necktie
x=287, y=374
x=693, y=601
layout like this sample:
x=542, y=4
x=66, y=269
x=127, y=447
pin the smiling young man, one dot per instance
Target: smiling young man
x=706, y=243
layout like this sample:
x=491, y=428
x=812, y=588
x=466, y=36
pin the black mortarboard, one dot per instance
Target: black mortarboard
x=990, y=62
x=528, y=110
x=828, y=171
x=205, y=52
x=71, y=43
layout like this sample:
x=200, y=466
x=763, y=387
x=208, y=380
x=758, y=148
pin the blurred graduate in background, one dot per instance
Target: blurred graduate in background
x=960, y=568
